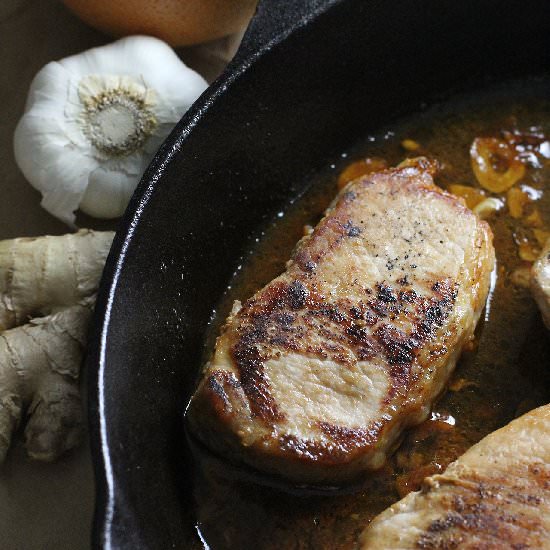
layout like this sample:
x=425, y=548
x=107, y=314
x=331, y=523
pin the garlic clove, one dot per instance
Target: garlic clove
x=61, y=181
x=116, y=185
x=49, y=83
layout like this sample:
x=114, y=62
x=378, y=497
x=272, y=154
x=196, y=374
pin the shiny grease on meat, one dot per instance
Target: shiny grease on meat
x=315, y=377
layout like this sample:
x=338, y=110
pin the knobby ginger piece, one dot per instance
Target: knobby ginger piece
x=41, y=275
x=39, y=368
x=48, y=288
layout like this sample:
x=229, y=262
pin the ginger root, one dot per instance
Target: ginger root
x=47, y=293
x=44, y=274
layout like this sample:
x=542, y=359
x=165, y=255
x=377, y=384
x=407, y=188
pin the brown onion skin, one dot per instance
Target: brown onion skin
x=178, y=22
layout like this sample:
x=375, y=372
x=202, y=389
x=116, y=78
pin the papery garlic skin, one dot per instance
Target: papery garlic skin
x=94, y=121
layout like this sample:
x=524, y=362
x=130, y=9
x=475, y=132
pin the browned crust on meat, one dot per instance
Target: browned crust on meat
x=489, y=510
x=278, y=320
x=343, y=443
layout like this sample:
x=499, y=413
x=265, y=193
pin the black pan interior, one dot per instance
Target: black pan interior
x=281, y=112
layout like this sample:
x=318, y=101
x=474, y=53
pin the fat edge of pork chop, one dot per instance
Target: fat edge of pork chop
x=540, y=283
x=496, y=496
x=315, y=377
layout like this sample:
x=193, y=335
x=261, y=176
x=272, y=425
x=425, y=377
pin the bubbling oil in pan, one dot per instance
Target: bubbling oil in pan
x=504, y=374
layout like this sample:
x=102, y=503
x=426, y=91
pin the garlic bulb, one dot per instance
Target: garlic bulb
x=93, y=122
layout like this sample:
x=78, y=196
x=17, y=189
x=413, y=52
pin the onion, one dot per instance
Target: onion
x=178, y=22
x=495, y=164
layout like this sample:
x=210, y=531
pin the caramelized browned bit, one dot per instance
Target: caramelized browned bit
x=471, y=195
x=495, y=163
x=461, y=384
x=471, y=345
x=486, y=208
x=534, y=219
x=430, y=165
x=528, y=250
x=541, y=235
x=410, y=145
x=360, y=168
x=521, y=276
x=412, y=481
x=516, y=199
x=307, y=229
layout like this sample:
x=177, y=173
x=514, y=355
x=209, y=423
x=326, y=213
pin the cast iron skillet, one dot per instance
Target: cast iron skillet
x=311, y=78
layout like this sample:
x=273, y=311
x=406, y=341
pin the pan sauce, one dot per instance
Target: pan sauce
x=504, y=374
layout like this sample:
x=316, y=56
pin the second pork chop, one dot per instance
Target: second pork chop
x=494, y=497
x=315, y=377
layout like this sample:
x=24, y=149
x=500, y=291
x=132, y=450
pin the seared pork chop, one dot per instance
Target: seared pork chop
x=496, y=496
x=315, y=377
x=540, y=283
